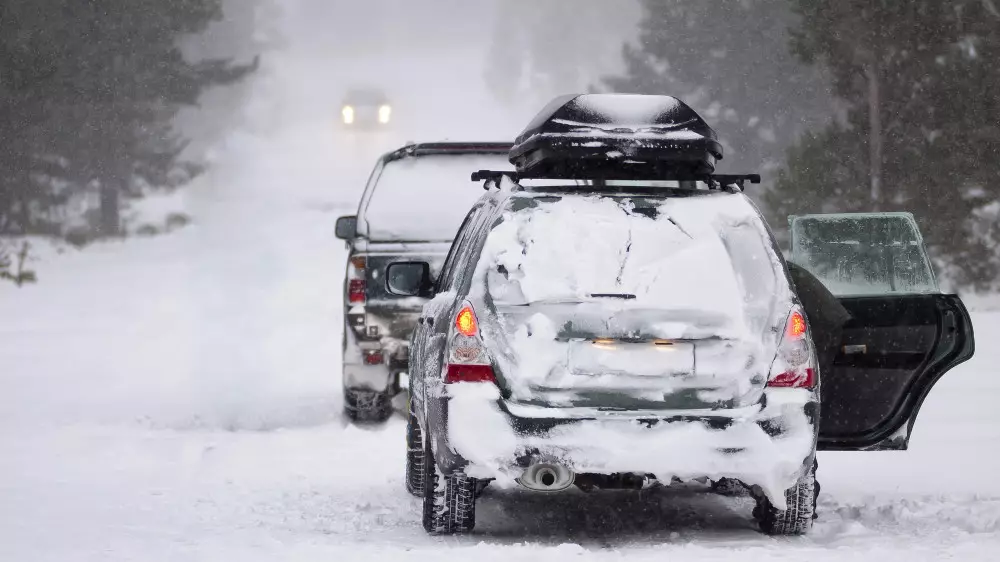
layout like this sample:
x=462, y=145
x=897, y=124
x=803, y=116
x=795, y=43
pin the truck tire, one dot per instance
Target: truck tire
x=449, y=501
x=414, y=454
x=367, y=405
x=798, y=518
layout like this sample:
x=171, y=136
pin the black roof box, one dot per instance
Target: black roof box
x=616, y=136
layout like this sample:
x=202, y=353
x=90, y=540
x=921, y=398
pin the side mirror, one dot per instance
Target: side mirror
x=409, y=279
x=347, y=227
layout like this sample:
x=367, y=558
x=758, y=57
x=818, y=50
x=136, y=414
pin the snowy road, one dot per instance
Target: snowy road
x=178, y=398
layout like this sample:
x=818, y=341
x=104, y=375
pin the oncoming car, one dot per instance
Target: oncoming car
x=614, y=314
x=365, y=108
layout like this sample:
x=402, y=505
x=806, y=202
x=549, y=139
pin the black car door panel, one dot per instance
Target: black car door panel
x=892, y=351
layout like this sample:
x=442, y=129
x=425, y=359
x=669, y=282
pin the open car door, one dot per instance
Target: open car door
x=904, y=333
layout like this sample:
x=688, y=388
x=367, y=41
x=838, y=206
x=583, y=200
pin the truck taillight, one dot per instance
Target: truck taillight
x=356, y=291
x=467, y=357
x=356, y=286
x=795, y=363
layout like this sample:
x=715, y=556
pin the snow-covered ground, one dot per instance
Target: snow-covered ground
x=178, y=398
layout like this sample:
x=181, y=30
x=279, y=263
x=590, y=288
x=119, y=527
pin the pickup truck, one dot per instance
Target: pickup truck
x=412, y=206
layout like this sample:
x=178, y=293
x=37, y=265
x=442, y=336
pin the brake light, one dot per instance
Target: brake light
x=356, y=286
x=469, y=373
x=373, y=357
x=794, y=365
x=796, y=325
x=466, y=323
x=467, y=357
x=356, y=291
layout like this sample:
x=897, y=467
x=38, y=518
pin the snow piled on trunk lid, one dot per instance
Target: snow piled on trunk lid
x=579, y=247
x=564, y=269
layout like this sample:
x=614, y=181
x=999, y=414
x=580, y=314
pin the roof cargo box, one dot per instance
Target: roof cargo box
x=616, y=136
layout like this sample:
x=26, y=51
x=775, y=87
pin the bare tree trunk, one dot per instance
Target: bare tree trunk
x=110, y=219
x=874, y=133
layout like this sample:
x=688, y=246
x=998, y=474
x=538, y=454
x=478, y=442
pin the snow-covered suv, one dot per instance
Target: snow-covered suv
x=624, y=333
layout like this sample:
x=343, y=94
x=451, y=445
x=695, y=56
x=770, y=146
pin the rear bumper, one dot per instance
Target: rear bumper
x=768, y=445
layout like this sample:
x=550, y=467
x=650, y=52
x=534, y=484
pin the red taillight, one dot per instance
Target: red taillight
x=469, y=373
x=467, y=358
x=465, y=322
x=795, y=363
x=356, y=279
x=373, y=357
x=356, y=290
x=796, y=327
x=805, y=378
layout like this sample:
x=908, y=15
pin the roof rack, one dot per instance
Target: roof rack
x=714, y=181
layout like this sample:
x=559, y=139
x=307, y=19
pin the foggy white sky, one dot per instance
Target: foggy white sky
x=433, y=58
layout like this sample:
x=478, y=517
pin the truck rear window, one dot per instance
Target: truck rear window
x=425, y=198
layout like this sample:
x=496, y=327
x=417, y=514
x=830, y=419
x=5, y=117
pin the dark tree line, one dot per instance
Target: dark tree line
x=919, y=80
x=88, y=89
x=913, y=124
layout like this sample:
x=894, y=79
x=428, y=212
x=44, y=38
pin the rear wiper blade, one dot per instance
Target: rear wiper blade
x=625, y=296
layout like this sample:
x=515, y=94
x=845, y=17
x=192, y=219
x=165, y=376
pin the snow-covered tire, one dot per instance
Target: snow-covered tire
x=367, y=405
x=798, y=518
x=449, y=501
x=414, y=455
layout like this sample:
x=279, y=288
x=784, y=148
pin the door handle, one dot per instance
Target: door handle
x=855, y=349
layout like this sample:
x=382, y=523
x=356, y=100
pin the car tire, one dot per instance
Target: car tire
x=367, y=405
x=414, y=454
x=449, y=501
x=798, y=518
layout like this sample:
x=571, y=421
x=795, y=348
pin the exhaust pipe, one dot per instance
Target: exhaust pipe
x=546, y=477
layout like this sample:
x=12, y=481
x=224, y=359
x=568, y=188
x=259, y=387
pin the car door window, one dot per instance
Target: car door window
x=863, y=253
x=447, y=276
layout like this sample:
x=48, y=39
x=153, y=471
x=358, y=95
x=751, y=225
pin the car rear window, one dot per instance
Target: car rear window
x=425, y=198
x=708, y=253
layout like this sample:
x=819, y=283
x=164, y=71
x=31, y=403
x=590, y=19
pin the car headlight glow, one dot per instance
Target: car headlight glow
x=384, y=113
x=348, y=114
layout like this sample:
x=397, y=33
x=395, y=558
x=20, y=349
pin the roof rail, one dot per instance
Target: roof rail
x=493, y=177
x=427, y=148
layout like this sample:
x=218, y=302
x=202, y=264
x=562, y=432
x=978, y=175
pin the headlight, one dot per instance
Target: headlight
x=348, y=113
x=384, y=112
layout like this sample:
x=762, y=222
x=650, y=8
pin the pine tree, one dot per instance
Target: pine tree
x=921, y=130
x=731, y=62
x=88, y=91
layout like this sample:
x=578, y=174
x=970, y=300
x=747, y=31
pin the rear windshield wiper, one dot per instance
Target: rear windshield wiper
x=625, y=296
